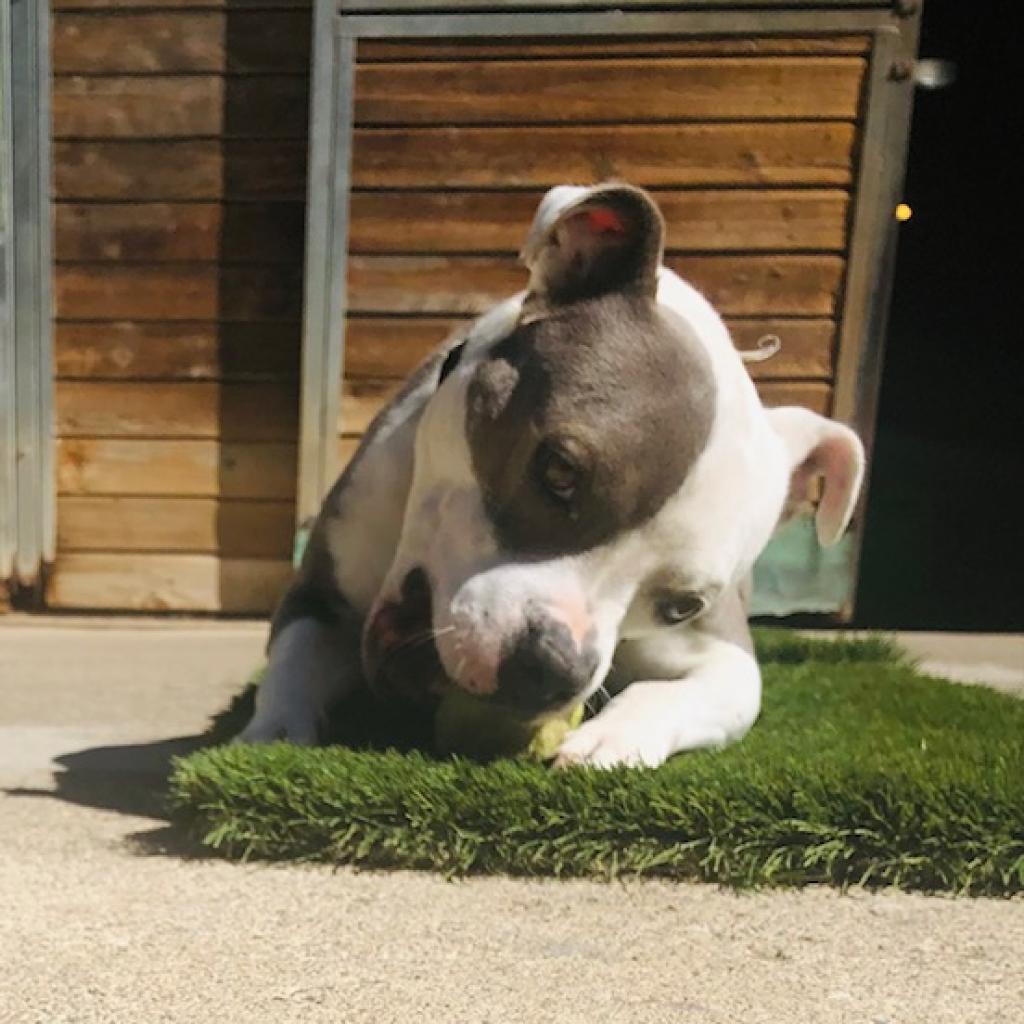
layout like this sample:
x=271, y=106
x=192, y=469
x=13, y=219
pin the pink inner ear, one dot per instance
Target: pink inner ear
x=603, y=220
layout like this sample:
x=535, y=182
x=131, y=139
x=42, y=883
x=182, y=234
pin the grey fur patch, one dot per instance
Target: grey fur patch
x=622, y=391
x=727, y=618
x=314, y=592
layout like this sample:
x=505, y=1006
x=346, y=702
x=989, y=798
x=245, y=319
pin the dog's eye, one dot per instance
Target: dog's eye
x=672, y=609
x=557, y=474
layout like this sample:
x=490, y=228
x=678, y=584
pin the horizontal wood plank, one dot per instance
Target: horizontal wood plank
x=374, y=347
x=175, y=468
x=394, y=346
x=172, y=583
x=111, y=6
x=140, y=41
x=371, y=50
x=797, y=153
x=813, y=395
x=232, y=529
x=125, y=40
x=736, y=285
x=657, y=156
x=177, y=292
x=466, y=6
x=403, y=221
x=184, y=409
x=807, y=347
x=361, y=400
x=709, y=220
x=607, y=91
x=172, y=170
x=180, y=106
x=131, y=350
x=183, y=232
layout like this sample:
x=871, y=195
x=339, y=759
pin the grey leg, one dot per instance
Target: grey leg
x=311, y=666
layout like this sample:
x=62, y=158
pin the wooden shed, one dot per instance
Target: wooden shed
x=198, y=421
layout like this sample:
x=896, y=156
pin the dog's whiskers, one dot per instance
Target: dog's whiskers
x=419, y=639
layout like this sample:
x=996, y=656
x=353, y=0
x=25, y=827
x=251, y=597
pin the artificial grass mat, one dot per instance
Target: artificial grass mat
x=859, y=771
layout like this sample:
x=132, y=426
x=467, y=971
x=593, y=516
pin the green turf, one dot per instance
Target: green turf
x=859, y=771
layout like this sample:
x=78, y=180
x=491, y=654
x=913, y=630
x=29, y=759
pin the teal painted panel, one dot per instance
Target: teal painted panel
x=796, y=574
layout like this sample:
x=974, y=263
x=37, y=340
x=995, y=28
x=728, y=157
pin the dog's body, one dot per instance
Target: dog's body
x=570, y=495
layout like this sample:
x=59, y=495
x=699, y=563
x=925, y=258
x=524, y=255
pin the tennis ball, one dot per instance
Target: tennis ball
x=469, y=725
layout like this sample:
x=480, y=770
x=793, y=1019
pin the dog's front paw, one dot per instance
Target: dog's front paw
x=626, y=732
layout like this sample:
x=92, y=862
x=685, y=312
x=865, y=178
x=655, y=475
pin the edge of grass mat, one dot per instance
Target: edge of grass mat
x=859, y=771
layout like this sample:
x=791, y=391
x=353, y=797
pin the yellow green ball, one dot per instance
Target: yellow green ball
x=473, y=727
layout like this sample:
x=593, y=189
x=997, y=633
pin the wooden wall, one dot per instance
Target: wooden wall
x=180, y=136
x=179, y=152
x=748, y=144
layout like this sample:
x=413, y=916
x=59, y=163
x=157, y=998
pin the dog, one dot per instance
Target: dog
x=566, y=498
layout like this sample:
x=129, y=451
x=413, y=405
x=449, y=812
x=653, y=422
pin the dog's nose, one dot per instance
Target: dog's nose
x=543, y=668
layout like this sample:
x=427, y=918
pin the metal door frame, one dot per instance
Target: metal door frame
x=27, y=486
x=338, y=26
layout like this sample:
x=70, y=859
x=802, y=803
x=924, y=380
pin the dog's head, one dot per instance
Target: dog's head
x=594, y=465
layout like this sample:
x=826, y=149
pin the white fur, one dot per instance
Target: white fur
x=413, y=500
x=708, y=534
x=714, y=700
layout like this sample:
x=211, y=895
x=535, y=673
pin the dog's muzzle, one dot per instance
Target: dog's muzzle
x=539, y=668
x=543, y=669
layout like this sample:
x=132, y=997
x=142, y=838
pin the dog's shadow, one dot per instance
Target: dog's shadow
x=131, y=779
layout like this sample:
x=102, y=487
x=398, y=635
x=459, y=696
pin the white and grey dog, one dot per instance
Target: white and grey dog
x=569, y=494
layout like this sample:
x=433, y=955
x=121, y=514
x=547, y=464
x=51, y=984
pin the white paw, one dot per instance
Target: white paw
x=624, y=733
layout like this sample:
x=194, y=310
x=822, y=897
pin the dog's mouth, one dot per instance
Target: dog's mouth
x=400, y=656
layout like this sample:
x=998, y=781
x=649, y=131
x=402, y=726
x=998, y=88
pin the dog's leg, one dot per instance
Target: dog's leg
x=649, y=721
x=314, y=656
x=311, y=666
x=695, y=688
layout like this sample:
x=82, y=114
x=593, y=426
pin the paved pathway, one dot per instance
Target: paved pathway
x=104, y=918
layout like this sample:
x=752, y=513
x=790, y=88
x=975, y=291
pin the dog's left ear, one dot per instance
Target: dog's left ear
x=822, y=447
x=587, y=242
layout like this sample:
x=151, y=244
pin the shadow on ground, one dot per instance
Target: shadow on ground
x=130, y=779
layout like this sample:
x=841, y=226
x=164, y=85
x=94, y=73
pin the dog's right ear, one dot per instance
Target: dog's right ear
x=587, y=242
x=817, y=446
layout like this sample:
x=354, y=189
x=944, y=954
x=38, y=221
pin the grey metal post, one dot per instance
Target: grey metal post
x=871, y=260
x=8, y=422
x=326, y=255
x=27, y=55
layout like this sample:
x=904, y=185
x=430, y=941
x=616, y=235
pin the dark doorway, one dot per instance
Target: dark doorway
x=944, y=537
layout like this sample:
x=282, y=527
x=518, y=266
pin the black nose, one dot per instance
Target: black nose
x=543, y=668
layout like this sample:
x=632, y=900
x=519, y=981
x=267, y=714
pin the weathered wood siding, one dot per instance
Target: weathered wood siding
x=180, y=137
x=179, y=150
x=748, y=143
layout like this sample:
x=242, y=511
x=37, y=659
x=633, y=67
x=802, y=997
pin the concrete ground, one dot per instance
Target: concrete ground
x=106, y=915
